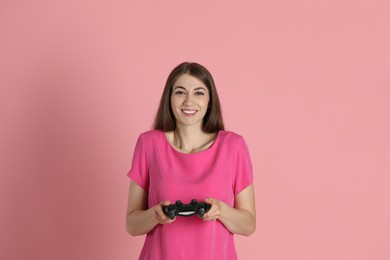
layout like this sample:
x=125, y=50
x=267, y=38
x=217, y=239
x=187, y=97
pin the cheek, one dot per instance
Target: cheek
x=207, y=102
x=173, y=102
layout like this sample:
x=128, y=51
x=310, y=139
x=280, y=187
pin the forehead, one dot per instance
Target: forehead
x=188, y=81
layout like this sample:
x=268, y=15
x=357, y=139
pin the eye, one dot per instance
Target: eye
x=199, y=93
x=179, y=92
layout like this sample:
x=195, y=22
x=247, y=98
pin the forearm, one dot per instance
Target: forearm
x=140, y=222
x=237, y=221
x=240, y=219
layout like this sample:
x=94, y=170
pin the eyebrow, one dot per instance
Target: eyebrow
x=198, y=88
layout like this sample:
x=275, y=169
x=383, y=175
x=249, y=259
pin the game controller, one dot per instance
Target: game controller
x=186, y=210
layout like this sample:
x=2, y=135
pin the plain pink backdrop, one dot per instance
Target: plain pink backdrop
x=306, y=82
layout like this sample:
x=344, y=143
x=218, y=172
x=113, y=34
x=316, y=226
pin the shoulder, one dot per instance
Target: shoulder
x=151, y=134
x=151, y=137
x=229, y=136
x=232, y=140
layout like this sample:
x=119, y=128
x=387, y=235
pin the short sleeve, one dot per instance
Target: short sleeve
x=139, y=171
x=242, y=166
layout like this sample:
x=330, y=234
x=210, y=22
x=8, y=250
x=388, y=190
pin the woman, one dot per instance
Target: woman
x=189, y=156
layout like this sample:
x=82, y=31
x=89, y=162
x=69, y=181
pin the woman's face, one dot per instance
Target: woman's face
x=189, y=100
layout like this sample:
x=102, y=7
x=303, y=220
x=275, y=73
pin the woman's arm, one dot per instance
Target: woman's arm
x=239, y=220
x=139, y=219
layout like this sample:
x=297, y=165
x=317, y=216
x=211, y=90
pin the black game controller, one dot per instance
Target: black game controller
x=186, y=210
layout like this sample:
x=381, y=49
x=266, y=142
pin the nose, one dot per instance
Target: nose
x=188, y=100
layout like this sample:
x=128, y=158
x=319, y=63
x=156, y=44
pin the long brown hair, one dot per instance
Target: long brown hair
x=212, y=121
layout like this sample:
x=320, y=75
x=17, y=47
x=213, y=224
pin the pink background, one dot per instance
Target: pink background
x=306, y=82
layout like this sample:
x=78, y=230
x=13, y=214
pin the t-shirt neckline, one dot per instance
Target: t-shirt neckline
x=189, y=154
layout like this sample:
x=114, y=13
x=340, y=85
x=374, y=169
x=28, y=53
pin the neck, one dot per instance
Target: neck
x=191, y=139
x=188, y=132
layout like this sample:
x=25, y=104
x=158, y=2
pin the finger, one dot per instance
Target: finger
x=210, y=214
x=209, y=201
x=164, y=219
x=213, y=213
x=161, y=205
x=165, y=203
x=210, y=219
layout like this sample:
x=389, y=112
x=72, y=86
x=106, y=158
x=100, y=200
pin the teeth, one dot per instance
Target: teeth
x=190, y=112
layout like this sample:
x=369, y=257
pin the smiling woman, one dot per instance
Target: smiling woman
x=190, y=156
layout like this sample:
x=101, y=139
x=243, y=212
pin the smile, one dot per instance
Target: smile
x=189, y=112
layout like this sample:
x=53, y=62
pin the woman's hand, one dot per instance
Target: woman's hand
x=159, y=213
x=215, y=211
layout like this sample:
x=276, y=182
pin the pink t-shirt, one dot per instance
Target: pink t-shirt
x=222, y=171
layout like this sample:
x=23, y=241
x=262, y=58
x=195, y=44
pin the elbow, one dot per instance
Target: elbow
x=246, y=229
x=132, y=231
x=251, y=228
x=250, y=232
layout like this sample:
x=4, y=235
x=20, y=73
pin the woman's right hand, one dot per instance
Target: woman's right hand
x=159, y=213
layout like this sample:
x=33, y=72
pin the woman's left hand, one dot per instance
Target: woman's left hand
x=215, y=211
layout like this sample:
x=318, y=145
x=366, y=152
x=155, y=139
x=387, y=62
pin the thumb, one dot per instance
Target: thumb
x=209, y=200
x=165, y=203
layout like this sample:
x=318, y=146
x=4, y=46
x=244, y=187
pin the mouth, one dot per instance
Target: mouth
x=189, y=112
